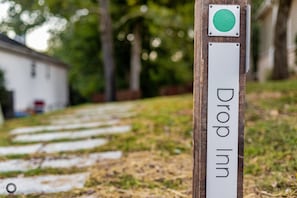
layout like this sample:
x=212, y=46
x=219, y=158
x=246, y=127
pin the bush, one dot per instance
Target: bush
x=4, y=101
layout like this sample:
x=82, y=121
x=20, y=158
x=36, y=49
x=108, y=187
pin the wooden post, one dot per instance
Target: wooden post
x=208, y=43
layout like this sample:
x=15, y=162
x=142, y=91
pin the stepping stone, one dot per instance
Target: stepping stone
x=87, y=118
x=81, y=161
x=44, y=184
x=99, y=113
x=107, y=116
x=118, y=108
x=44, y=137
x=106, y=109
x=72, y=146
x=19, y=165
x=70, y=161
x=20, y=150
x=94, y=113
x=74, y=120
x=36, y=129
x=52, y=147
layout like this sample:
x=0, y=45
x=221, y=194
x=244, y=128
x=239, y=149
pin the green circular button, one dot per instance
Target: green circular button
x=224, y=20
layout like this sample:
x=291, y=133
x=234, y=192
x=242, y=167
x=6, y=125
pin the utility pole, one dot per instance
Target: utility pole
x=222, y=40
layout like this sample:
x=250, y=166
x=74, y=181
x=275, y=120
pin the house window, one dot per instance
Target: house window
x=33, y=70
x=48, y=72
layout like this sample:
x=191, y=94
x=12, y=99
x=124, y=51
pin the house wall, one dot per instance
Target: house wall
x=267, y=25
x=49, y=83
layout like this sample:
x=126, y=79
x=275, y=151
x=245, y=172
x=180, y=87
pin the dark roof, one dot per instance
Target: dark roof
x=17, y=47
x=11, y=41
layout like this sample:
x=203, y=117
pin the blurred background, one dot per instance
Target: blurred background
x=56, y=53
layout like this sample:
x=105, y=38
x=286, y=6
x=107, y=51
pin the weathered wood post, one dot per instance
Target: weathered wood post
x=220, y=66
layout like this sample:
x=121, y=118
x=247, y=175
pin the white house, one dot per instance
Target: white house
x=33, y=78
x=267, y=17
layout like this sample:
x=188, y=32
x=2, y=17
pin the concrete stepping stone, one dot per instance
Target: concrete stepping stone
x=78, y=161
x=81, y=161
x=75, y=120
x=20, y=150
x=105, y=108
x=107, y=116
x=52, y=147
x=114, y=108
x=43, y=184
x=87, y=118
x=72, y=146
x=96, y=111
x=44, y=137
x=19, y=165
x=91, y=114
x=36, y=129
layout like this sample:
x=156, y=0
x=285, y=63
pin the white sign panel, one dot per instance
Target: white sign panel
x=222, y=120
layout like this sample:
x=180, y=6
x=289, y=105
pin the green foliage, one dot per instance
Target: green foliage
x=79, y=46
x=23, y=16
x=256, y=5
x=169, y=23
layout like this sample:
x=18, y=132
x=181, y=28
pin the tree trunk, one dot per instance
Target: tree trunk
x=107, y=50
x=135, y=59
x=280, y=67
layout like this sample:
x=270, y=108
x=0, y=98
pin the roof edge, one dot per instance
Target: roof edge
x=26, y=51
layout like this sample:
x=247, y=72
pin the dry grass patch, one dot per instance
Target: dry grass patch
x=144, y=174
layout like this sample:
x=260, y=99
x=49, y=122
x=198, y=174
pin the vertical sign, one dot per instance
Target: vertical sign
x=221, y=31
x=222, y=120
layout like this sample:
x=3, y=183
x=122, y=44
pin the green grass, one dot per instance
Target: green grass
x=163, y=128
x=271, y=137
x=274, y=86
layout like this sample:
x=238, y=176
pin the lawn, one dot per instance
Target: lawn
x=157, y=159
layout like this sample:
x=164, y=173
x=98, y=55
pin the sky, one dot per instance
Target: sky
x=36, y=39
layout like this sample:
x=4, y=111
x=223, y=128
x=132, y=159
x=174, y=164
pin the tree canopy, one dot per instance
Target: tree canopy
x=165, y=52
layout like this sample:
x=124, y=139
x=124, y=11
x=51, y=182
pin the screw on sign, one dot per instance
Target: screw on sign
x=220, y=66
x=11, y=188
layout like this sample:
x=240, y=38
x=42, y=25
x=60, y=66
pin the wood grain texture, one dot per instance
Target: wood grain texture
x=200, y=92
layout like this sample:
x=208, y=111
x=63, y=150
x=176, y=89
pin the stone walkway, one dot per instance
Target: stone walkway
x=74, y=132
x=44, y=137
x=52, y=147
x=61, y=127
x=42, y=184
x=67, y=161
